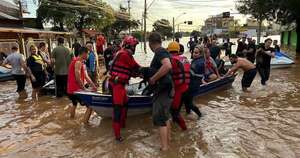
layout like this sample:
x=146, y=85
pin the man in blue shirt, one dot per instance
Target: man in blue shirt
x=91, y=63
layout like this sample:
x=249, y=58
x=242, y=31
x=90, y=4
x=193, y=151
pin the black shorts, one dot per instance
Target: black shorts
x=75, y=100
x=248, y=77
x=161, y=108
x=40, y=80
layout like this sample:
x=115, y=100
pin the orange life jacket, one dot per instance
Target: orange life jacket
x=180, y=69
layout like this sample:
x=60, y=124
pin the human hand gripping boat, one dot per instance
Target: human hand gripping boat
x=138, y=104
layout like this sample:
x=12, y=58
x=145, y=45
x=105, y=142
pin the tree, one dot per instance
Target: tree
x=163, y=27
x=195, y=33
x=122, y=23
x=75, y=14
x=234, y=28
x=259, y=9
x=178, y=35
x=288, y=12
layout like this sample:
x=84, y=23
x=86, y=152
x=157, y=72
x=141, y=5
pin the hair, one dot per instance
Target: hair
x=32, y=46
x=233, y=56
x=155, y=38
x=14, y=48
x=42, y=44
x=109, y=44
x=89, y=42
x=61, y=40
x=275, y=41
x=201, y=48
x=82, y=50
x=177, y=40
x=268, y=39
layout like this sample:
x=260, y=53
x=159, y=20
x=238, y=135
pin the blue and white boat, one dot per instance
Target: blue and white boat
x=5, y=74
x=140, y=104
x=281, y=60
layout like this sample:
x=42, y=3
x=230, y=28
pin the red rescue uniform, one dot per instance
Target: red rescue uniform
x=181, y=79
x=122, y=69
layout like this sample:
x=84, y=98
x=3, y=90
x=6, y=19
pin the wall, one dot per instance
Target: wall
x=289, y=39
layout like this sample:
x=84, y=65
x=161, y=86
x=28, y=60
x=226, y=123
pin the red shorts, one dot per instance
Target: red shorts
x=179, y=90
x=119, y=93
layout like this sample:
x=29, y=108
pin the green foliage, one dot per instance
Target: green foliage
x=195, y=33
x=138, y=34
x=259, y=9
x=178, y=35
x=122, y=23
x=163, y=27
x=75, y=14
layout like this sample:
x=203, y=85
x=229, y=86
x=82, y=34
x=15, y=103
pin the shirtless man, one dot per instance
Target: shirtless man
x=248, y=68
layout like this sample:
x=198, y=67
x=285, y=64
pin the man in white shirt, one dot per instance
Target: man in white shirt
x=17, y=61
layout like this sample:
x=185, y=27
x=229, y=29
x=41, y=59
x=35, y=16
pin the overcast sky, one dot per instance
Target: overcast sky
x=196, y=10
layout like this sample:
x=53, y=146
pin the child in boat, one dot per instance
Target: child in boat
x=248, y=68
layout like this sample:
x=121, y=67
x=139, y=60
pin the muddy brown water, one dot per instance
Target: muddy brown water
x=264, y=123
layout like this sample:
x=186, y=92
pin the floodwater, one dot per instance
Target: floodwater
x=262, y=124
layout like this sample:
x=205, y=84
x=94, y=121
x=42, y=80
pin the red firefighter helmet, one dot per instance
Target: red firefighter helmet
x=129, y=41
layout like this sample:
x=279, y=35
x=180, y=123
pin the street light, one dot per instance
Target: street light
x=174, y=19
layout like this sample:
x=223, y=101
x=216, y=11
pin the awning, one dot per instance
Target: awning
x=31, y=31
x=90, y=32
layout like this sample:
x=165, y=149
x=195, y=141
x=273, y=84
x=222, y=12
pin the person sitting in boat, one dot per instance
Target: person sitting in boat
x=248, y=68
x=77, y=75
x=211, y=69
x=123, y=67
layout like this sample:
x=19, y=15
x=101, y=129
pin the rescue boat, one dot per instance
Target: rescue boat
x=281, y=60
x=139, y=104
x=5, y=74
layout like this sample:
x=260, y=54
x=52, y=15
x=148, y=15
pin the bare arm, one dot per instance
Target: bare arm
x=78, y=74
x=164, y=69
x=88, y=79
x=4, y=63
x=233, y=69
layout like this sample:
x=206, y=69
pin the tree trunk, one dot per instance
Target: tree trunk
x=61, y=26
x=259, y=30
x=298, y=35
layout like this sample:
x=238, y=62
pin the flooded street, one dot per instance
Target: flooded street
x=264, y=123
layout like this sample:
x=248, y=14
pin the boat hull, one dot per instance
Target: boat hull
x=102, y=103
x=281, y=60
x=213, y=86
x=5, y=74
x=139, y=104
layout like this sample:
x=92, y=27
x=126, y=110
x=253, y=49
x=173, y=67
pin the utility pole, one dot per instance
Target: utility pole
x=173, y=28
x=145, y=26
x=20, y=9
x=129, y=7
